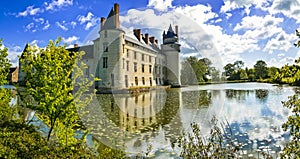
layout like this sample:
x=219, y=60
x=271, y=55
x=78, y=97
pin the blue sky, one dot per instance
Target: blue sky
x=224, y=31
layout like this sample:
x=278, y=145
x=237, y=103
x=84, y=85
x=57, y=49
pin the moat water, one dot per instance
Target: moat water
x=134, y=122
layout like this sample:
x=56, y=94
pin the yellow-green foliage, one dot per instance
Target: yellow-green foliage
x=52, y=76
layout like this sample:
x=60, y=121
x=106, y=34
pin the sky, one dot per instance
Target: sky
x=222, y=30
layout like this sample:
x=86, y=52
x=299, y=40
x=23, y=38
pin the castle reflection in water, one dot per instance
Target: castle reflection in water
x=132, y=122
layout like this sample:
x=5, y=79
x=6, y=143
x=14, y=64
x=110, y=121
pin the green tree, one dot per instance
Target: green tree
x=7, y=112
x=52, y=76
x=272, y=71
x=292, y=149
x=238, y=65
x=198, y=66
x=261, y=70
x=243, y=74
x=229, y=68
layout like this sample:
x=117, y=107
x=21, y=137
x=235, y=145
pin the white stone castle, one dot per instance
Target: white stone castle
x=123, y=61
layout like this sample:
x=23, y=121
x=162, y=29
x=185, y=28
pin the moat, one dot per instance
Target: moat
x=133, y=122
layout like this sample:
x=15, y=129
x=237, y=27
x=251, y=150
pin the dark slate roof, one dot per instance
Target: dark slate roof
x=88, y=49
x=170, y=33
x=12, y=69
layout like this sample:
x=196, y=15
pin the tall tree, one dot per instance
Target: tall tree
x=229, y=68
x=238, y=65
x=6, y=111
x=261, y=70
x=52, y=75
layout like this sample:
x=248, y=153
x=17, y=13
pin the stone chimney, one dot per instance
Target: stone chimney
x=176, y=29
x=138, y=34
x=152, y=39
x=75, y=45
x=147, y=38
x=117, y=11
x=102, y=21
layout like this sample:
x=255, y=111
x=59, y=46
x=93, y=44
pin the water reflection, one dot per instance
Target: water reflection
x=132, y=122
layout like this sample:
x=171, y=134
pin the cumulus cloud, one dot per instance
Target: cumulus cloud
x=89, y=20
x=230, y=5
x=282, y=41
x=56, y=4
x=47, y=25
x=30, y=10
x=209, y=40
x=257, y=27
x=71, y=39
x=13, y=53
x=289, y=8
x=62, y=25
x=30, y=27
x=160, y=5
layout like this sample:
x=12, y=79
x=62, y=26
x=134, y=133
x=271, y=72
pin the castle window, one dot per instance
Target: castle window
x=143, y=57
x=105, y=33
x=150, y=80
x=136, y=81
x=105, y=47
x=127, y=65
x=150, y=68
x=123, y=63
x=143, y=80
x=143, y=68
x=127, y=53
x=126, y=85
x=105, y=59
x=135, y=55
x=135, y=67
x=150, y=58
x=112, y=79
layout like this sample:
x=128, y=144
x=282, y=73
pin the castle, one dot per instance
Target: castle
x=123, y=61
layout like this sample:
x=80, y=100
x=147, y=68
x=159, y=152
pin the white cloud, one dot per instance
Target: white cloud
x=62, y=26
x=160, y=5
x=47, y=25
x=73, y=24
x=289, y=8
x=13, y=53
x=39, y=20
x=281, y=55
x=230, y=5
x=71, y=39
x=55, y=4
x=257, y=27
x=30, y=10
x=209, y=40
x=29, y=27
x=282, y=41
x=89, y=20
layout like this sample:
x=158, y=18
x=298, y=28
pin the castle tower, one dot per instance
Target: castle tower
x=171, y=48
x=108, y=50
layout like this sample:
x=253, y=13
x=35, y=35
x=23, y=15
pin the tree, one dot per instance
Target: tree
x=229, y=68
x=292, y=149
x=238, y=65
x=272, y=71
x=6, y=111
x=52, y=75
x=261, y=70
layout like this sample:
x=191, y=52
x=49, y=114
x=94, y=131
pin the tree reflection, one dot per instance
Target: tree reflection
x=196, y=99
x=239, y=95
x=261, y=93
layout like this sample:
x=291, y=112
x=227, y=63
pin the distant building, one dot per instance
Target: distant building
x=123, y=61
x=13, y=75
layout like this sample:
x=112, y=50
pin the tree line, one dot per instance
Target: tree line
x=195, y=71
